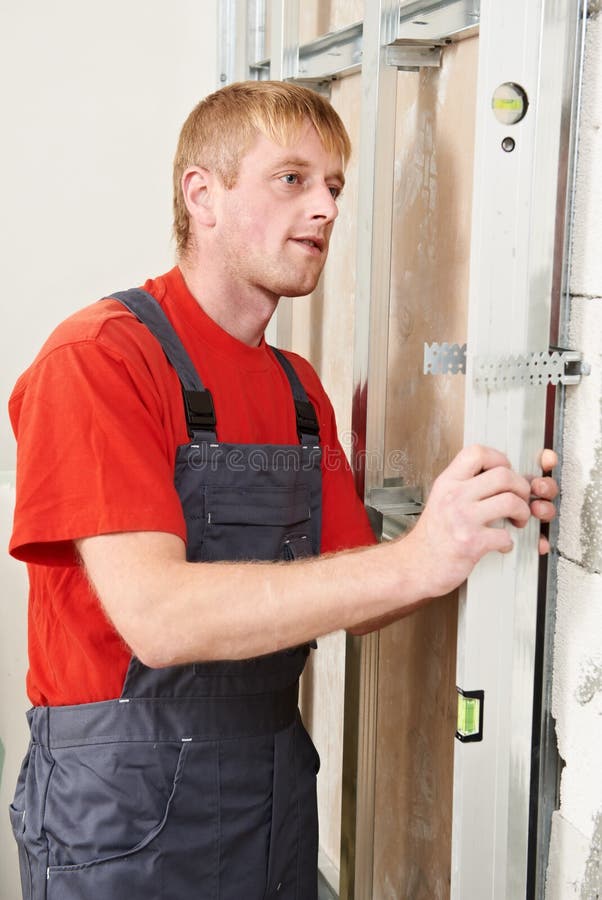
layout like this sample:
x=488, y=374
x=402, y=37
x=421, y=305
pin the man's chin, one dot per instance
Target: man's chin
x=295, y=296
x=300, y=290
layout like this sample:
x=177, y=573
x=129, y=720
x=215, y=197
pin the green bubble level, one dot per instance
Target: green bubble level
x=470, y=715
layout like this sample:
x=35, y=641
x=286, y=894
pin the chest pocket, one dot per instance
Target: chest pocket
x=256, y=523
x=237, y=509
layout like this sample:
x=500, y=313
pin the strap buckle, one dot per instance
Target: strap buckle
x=200, y=413
x=307, y=422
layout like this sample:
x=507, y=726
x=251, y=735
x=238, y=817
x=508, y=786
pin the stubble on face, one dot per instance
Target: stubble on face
x=274, y=236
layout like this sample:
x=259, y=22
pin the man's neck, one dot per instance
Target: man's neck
x=245, y=318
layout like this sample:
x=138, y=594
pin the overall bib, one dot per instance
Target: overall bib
x=199, y=782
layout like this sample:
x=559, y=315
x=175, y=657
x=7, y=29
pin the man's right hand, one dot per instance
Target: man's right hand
x=461, y=521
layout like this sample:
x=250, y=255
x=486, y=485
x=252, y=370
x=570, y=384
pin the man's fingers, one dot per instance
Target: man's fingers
x=499, y=539
x=498, y=481
x=478, y=458
x=474, y=459
x=504, y=506
x=544, y=545
x=548, y=460
x=544, y=487
x=470, y=502
x=490, y=483
x=543, y=510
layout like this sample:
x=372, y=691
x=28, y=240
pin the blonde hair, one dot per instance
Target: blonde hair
x=221, y=128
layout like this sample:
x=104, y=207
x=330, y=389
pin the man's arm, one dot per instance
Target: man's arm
x=170, y=611
x=544, y=491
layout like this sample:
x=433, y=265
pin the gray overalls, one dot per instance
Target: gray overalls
x=199, y=781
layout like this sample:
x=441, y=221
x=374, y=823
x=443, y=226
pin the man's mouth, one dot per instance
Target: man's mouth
x=315, y=243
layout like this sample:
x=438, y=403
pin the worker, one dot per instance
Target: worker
x=190, y=526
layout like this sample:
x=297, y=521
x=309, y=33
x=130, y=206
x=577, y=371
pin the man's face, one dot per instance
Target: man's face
x=274, y=225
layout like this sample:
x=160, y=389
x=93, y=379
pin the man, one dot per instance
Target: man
x=172, y=497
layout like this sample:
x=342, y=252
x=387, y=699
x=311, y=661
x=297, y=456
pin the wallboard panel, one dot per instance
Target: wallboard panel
x=424, y=421
x=424, y=417
x=321, y=16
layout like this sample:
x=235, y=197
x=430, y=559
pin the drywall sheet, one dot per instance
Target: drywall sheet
x=424, y=422
x=321, y=16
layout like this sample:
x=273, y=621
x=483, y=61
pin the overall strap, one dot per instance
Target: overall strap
x=198, y=403
x=307, y=422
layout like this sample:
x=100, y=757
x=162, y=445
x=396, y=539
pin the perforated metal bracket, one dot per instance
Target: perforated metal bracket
x=554, y=366
x=548, y=367
x=444, y=359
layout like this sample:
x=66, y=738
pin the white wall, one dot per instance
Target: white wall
x=93, y=97
x=575, y=866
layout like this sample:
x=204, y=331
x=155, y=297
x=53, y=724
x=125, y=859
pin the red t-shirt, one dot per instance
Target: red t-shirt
x=98, y=417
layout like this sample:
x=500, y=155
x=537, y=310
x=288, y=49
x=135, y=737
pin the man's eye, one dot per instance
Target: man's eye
x=290, y=178
x=335, y=192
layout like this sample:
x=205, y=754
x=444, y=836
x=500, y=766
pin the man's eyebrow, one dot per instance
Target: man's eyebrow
x=297, y=162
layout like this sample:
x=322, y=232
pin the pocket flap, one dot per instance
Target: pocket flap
x=252, y=506
x=17, y=820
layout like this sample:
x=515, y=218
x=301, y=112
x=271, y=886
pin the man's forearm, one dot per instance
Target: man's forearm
x=170, y=611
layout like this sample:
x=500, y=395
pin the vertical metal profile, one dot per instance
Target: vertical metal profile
x=284, y=39
x=375, y=206
x=232, y=44
x=512, y=281
x=256, y=32
x=284, y=63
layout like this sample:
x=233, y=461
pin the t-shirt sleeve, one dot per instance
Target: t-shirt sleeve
x=345, y=523
x=93, y=456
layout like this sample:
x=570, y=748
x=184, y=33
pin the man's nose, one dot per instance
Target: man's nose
x=323, y=204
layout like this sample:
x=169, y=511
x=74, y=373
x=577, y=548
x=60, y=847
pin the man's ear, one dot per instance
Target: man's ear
x=198, y=190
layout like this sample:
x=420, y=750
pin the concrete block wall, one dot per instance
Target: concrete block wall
x=575, y=862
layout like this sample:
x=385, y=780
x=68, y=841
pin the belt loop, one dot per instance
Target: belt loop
x=39, y=725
